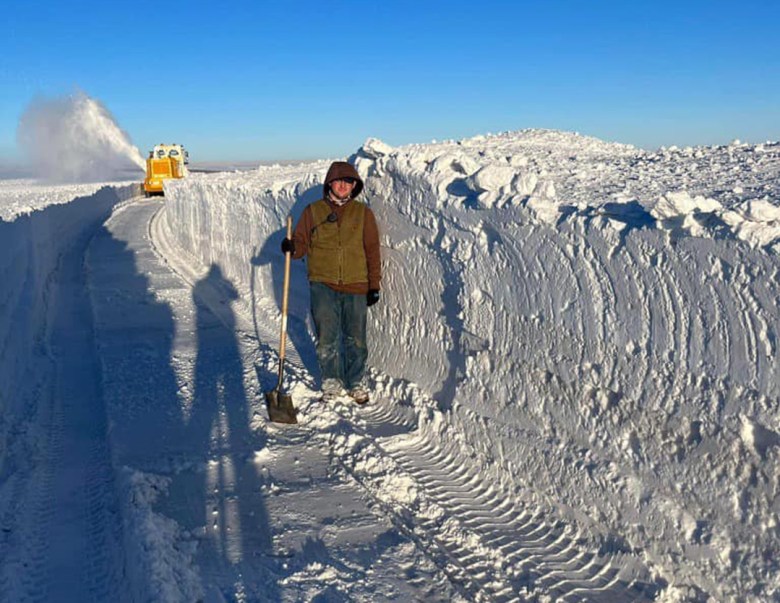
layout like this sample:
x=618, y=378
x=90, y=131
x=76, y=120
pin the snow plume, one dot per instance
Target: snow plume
x=76, y=139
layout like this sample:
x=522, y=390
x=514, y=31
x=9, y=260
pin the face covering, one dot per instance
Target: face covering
x=336, y=200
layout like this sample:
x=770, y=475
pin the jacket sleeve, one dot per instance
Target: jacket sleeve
x=302, y=233
x=371, y=246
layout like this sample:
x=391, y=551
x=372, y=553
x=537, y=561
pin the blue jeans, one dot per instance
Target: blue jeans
x=340, y=322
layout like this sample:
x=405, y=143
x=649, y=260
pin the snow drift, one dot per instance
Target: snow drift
x=598, y=324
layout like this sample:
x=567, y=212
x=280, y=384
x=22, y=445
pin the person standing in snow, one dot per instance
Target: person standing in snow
x=340, y=238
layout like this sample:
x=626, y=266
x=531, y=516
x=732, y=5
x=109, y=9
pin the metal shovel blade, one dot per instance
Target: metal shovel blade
x=280, y=407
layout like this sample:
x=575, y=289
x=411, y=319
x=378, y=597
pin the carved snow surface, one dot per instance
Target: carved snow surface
x=574, y=384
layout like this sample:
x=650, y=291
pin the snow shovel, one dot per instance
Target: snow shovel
x=280, y=404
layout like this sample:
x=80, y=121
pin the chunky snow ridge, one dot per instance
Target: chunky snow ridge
x=597, y=325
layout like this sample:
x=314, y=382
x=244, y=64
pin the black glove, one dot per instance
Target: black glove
x=372, y=297
x=288, y=245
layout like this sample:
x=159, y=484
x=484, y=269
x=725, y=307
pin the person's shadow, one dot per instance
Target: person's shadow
x=233, y=507
x=298, y=303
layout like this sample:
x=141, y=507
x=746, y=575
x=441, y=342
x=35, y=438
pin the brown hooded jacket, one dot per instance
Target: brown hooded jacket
x=306, y=227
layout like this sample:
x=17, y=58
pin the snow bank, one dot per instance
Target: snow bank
x=597, y=323
x=756, y=221
x=22, y=196
x=160, y=552
x=30, y=247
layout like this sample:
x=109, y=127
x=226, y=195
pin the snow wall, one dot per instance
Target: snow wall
x=597, y=324
x=30, y=248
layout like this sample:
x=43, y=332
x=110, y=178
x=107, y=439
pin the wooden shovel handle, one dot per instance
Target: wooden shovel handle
x=285, y=295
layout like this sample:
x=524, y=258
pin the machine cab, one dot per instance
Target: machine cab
x=174, y=151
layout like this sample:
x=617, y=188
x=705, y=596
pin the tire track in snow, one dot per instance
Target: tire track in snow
x=497, y=547
x=66, y=541
x=422, y=474
x=28, y=514
x=90, y=566
x=570, y=567
x=25, y=571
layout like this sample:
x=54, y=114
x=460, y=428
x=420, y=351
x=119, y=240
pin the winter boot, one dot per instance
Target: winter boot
x=331, y=389
x=359, y=392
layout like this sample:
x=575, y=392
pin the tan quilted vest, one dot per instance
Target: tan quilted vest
x=336, y=253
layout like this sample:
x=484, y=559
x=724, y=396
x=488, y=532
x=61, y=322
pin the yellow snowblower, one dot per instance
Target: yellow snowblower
x=164, y=162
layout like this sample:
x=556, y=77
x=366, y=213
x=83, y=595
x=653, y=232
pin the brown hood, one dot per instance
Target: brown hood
x=342, y=169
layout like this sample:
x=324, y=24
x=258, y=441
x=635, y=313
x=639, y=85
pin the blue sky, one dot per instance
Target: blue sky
x=297, y=80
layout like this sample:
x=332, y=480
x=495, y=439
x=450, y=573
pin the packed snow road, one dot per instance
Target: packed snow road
x=62, y=534
x=217, y=504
